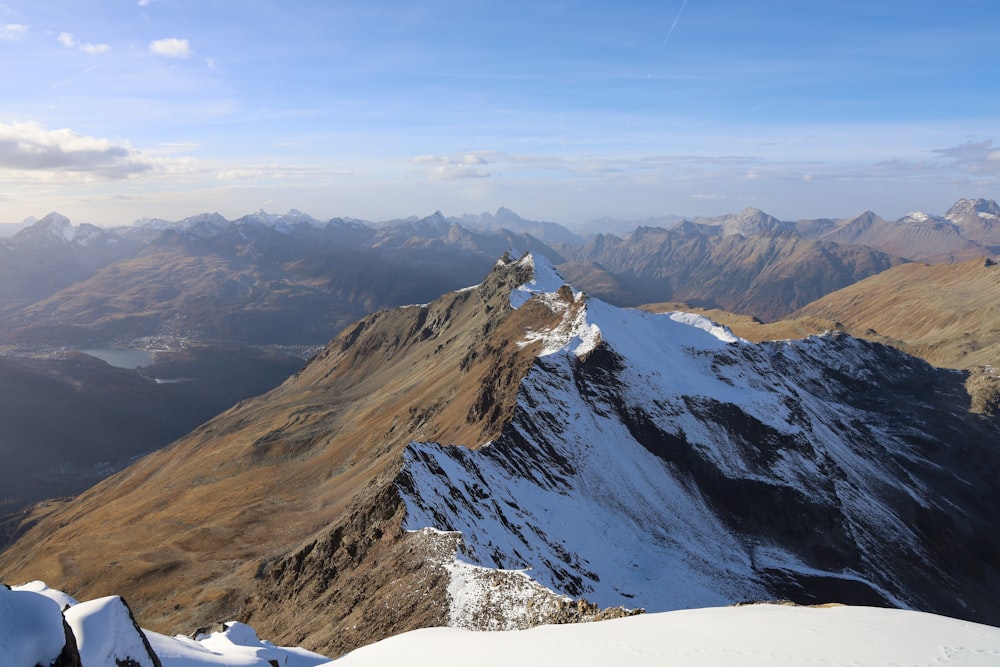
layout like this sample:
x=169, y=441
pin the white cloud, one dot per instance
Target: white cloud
x=67, y=40
x=30, y=151
x=143, y=3
x=13, y=31
x=170, y=47
x=94, y=49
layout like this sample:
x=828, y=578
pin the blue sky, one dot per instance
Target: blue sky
x=564, y=111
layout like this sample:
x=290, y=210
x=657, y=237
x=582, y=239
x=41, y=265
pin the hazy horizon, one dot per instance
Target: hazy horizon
x=620, y=223
x=566, y=112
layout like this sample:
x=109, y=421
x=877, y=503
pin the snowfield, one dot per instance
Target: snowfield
x=31, y=633
x=765, y=635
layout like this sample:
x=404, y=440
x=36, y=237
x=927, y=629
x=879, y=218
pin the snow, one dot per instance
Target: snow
x=723, y=333
x=750, y=636
x=106, y=634
x=31, y=632
x=31, y=629
x=546, y=280
x=41, y=587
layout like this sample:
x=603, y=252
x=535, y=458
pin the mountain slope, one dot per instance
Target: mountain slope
x=946, y=313
x=768, y=273
x=918, y=237
x=312, y=462
x=51, y=254
x=631, y=459
x=70, y=422
x=783, y=452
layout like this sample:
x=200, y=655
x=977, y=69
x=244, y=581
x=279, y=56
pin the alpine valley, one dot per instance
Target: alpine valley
x=521, y=452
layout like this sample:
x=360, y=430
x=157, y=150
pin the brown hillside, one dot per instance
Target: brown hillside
x=948, y=314
x=206, y=528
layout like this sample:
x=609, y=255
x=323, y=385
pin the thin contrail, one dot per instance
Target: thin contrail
x=676, y=19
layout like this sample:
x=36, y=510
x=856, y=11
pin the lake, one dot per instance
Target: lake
x=122, y=358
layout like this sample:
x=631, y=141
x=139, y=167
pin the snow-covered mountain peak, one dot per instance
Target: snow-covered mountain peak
x=57, y=228
x=660, y=461
x=545, y=279
x=54, y=220
x=984, y=208
x=582, y=318
x=916, y=217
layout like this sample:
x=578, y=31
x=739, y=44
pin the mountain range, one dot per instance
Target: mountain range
x=520, y=452
x=292, y=279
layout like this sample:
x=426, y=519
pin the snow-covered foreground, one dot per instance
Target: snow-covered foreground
x=43, y=626
x=746, y=636
x=32, y=633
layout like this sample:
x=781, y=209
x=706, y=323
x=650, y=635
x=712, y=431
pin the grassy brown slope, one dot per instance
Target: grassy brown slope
x=185, y=533
x=949, y=314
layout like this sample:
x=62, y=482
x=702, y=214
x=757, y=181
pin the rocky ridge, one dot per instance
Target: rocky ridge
x=543, y=426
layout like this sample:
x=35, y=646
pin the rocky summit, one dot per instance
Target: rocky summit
x=518, y=452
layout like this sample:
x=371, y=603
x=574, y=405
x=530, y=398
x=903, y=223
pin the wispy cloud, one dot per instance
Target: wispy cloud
x=454, y=167
x=13, y=31
x=67, y=40
x=171, y=47
x=974, y=157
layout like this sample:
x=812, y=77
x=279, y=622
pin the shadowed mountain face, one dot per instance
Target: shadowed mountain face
x=631, y=459
x=767, y=273
x=70, y=422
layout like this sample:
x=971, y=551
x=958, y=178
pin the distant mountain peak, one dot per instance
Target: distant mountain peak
x=58, y=228
x=981, y=207
x=54, y=220
x=503, y=213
